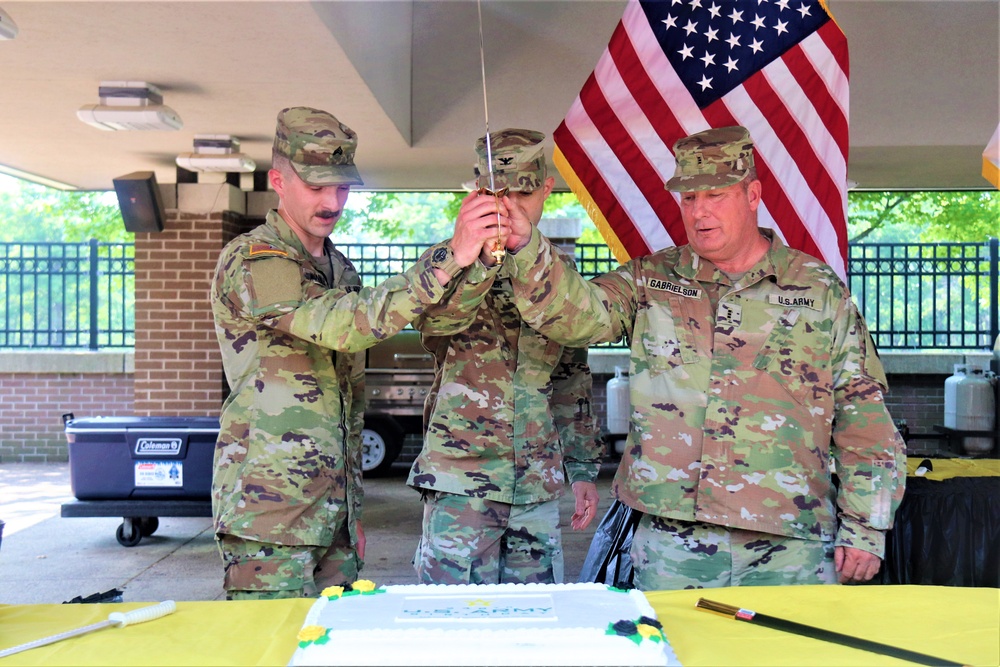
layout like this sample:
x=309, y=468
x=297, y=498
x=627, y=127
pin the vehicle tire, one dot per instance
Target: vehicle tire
x=129, y=540
x=381, y=442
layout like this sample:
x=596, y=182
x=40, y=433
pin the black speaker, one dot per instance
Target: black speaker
x=140, y=202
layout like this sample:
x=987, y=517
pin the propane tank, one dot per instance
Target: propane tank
x=974, y=409
x=619, y=404
x=950, y=396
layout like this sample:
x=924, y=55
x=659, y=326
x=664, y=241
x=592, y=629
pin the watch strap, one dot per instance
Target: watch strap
x=443, y=257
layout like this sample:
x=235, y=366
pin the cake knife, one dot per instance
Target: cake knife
x=115, y=619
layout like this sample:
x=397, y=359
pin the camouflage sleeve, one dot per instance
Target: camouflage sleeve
x=355, y=447
x=572, y=395
x=556, y=300
x=350, y=320
x=869, y=453
x=457, y=310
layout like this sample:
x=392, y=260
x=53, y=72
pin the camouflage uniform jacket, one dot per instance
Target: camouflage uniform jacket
x=288, y=457
x=737, y=389
x=509, y=415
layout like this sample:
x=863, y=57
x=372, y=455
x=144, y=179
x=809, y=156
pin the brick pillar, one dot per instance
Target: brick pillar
x=178, y=371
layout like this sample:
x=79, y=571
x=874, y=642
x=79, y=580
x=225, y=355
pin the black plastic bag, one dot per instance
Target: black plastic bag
x=607, y=559
x=114, y=595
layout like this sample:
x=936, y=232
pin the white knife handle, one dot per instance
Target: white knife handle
x=120, y=620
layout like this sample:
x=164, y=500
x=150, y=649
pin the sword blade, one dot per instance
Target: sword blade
x=486, y=105
x=740, y=614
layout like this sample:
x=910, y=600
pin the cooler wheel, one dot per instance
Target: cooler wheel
x=148, y=525
x=129, y=533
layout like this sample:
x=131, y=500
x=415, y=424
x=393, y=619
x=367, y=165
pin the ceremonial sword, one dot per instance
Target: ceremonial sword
x=498, y=251
x=794, y=628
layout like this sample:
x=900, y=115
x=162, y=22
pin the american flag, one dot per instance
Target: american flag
x=991, y=160
x=676, y=67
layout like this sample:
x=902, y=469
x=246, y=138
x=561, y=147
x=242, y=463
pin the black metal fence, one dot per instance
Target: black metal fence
x=67, y=295
x=913, y=295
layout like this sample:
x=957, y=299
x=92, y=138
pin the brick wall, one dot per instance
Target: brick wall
x=918, y=400
x=33, y=404
x=177, y=366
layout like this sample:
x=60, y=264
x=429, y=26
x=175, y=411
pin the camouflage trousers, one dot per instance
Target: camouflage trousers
x=476, y=541
x=671, y=554
x=263, y=571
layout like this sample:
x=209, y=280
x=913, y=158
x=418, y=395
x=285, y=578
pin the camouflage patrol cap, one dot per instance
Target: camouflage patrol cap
x=320, y=147
x=518, y=160
x=711, y=159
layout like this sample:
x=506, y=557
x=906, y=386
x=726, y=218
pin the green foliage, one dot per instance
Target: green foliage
x=966, y=216
x=404, y=217
x=30, y=212
x=429, y=217
x=923, y=216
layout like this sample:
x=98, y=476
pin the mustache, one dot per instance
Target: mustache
x=328, y=214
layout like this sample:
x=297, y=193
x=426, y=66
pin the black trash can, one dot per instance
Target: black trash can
x=141, y=457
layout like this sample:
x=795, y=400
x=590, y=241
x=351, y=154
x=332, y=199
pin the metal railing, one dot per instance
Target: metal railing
x=67, y=295
x=927, y=295
x=913, y=295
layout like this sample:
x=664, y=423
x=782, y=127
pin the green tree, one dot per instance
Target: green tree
x=35, y=213
x=923, y=216
x=403, y=217
x=972, y=215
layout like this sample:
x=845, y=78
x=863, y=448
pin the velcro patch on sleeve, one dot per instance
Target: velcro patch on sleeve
x=276, y=280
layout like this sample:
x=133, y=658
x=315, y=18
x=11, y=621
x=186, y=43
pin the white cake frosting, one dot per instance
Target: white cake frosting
x=499, y=624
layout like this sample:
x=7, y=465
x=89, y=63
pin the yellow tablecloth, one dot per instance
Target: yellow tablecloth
x=947, y=468
x=959, y=624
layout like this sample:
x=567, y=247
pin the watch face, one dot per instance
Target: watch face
x=440, y=255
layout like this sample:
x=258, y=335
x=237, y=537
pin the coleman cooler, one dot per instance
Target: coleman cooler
x=141, y=457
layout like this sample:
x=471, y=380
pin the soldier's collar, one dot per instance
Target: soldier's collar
x=287, y=236
x=694, y=267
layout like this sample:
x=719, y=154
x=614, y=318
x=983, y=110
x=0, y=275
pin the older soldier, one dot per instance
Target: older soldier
x=292, y=319
x=508, y=419
x=746, y=358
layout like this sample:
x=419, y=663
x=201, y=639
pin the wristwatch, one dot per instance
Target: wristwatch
x=443, y=257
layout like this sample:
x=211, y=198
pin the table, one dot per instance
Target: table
x=947, y=530
x=959, y=624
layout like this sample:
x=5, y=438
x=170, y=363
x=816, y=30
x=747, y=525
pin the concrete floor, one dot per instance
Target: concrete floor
x=45, y=558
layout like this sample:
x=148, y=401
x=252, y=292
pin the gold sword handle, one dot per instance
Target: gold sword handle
x=498, y=252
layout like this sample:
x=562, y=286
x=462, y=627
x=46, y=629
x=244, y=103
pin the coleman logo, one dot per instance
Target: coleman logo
x=158, y=446
x=793, y=301
x=667, y=286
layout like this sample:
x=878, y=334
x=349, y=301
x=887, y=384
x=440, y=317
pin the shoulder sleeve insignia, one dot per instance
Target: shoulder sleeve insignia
x=266, y=250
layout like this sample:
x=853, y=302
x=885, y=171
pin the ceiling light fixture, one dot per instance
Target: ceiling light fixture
x=216, y=152
x=130, y=105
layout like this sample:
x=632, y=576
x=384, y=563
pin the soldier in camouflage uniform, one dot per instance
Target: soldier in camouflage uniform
x=754, y=382
x=292, y=321
x=508, y=419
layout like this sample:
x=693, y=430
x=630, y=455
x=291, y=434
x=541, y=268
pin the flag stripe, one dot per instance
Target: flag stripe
x=629, y=200
x=595, y=213
x=581, y=155
x=633, y=106
x=796, y=171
